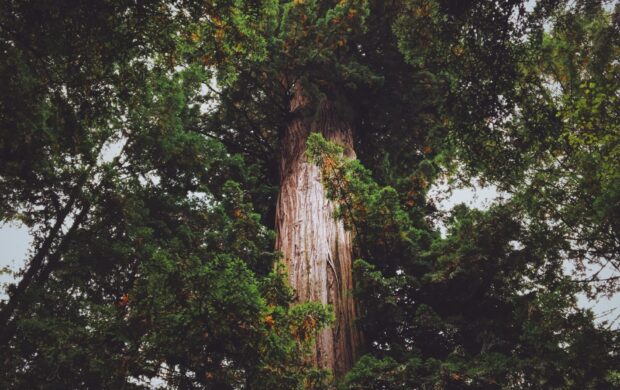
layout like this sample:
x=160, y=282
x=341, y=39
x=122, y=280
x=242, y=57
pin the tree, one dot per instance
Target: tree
x=261, y=147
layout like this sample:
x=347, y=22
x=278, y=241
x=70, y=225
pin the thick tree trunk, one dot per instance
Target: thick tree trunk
x=316, y=247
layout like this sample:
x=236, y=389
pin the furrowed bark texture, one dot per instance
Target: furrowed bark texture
x=316, y=247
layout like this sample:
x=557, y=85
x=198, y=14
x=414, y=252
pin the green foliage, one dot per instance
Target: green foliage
x=150, y=261
x=488, y=306
x=139, y=143
x=564, y=129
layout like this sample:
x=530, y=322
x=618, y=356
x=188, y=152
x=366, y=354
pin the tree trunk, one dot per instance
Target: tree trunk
x=316, y=247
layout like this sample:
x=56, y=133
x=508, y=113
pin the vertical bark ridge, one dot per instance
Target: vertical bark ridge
x=316, y=247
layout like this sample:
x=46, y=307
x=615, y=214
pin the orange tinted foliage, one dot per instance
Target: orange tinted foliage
x=269, y=321
x=123, y=300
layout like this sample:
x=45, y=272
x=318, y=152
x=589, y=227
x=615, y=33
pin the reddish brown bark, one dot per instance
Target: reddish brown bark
x=316, y=247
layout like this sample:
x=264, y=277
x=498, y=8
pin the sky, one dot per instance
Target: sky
x=15, y=243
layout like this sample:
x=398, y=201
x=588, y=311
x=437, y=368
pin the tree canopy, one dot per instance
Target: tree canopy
x=139, y=143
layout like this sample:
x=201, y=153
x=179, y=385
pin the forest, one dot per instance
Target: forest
x=250, y=194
